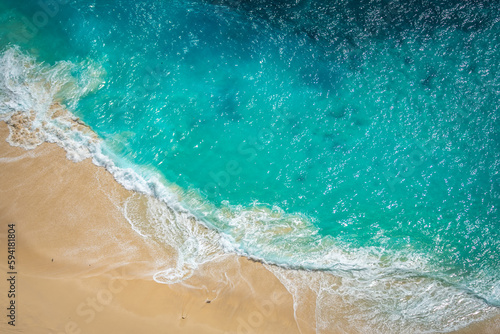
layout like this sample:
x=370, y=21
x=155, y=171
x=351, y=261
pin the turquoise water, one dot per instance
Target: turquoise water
x=346, y=136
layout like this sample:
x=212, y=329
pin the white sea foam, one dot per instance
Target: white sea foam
x=391, y=291
x=29, y=96
x=194, y=243
x=27, y=155
x=389, y=304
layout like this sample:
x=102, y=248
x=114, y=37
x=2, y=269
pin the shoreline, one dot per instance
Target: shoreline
x=82, y=268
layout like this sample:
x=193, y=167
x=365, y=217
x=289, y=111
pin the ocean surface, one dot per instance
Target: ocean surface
x=356, y=138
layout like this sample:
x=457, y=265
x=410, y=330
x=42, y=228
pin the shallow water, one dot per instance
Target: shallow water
x=357, y=138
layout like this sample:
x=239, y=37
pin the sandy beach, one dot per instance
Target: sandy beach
x=80, y=268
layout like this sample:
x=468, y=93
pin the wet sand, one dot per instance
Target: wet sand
x=82, y=269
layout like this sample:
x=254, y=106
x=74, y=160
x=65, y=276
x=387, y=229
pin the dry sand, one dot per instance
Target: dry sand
x=82, y=269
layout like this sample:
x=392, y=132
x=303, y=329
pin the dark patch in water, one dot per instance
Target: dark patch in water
x=226, y=101
x=228, y=108
x=329, y=137
x=337, y=113
x=321, y=75
x=431, y=74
